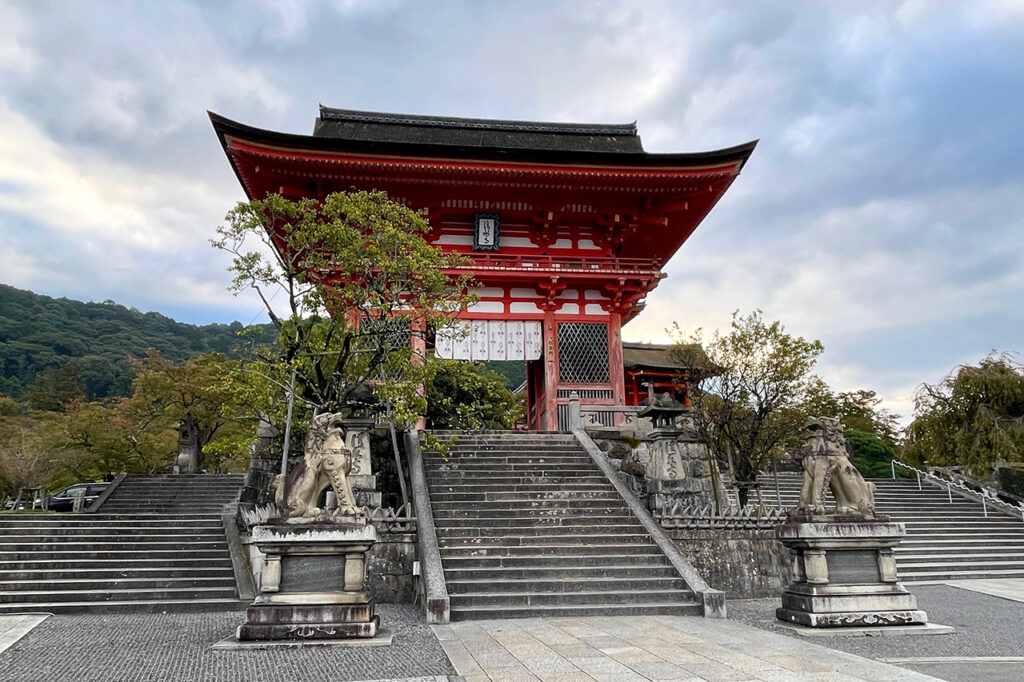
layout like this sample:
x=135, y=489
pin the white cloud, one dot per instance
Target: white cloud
x=15, y=54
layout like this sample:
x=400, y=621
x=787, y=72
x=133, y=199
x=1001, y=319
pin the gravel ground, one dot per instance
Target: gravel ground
x=986, y=626
x=176, y=647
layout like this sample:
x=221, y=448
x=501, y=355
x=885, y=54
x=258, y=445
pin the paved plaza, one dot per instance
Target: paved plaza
x=639, y=648
x=988, y=646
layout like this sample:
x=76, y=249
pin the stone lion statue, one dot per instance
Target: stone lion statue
x=827, y=466
x=327, y=462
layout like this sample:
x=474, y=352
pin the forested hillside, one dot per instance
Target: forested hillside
x=47, y=339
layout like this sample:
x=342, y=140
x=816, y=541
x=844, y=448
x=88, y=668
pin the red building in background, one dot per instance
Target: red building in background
x=568, y=226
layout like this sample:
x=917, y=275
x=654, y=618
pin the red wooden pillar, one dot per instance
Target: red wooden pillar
x=550, y=372
x=615, y=368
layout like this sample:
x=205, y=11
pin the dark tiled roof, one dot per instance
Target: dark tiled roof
x=368, y=126
x=637, y=356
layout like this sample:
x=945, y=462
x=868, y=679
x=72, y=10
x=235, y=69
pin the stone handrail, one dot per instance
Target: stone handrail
x=681, y=515
x=984, y=494
x=435, y=592
x=712, y=601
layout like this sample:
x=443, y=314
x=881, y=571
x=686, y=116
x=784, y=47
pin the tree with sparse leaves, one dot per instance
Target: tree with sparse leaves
x=860, y=410
x=749, y=405
x=354, y=280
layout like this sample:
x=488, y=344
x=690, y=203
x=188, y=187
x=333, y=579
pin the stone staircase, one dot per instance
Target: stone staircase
x=945, y=540
x=157, y=544
x=528, y=526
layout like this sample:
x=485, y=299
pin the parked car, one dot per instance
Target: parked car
x=64, y=500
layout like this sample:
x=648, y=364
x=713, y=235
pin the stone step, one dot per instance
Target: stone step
x=118, y=553
x=575, y=598
x=580, y=520
x=548, y=531
x=680, y=608
x=569, y=539
x=141, y=510
x=79, y=584
x=463, y=477
x=112, y=546
x=954, y=533
x=52, y=518
x=925, y=550
x=171, y=563
x=446, y=514
x=469, y=450
x=522, y=505
x=119, y=594
x=49, y=536
x=505, y=576
x=486, y=471
x=552, y=550
x=508, y=460
x=90, y=521
x=50, y=573
x=951, y=517
x=111, y=531
x=976, y=565
x=562, y=488
x=959, y=574
x=539, y=588
x=917, y=540
x=908, y=560
x=595, y=495
x=580, y=561
x=141, y=605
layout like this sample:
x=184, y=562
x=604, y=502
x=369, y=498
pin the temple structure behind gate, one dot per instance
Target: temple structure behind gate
x=568, y=225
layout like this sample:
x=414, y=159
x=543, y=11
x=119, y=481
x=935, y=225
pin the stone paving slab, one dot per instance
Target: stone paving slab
x=639, y=648
x=988, y=642
x=1012, y=589
x=13, y=628
x=176, y=647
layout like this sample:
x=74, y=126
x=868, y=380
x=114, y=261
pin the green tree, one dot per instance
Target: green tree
x=355, y=280
x=465, y=395
x=194, y=395
x=871, y=454
x=860, y=410
x=973, y=417
x=749, y=404
x=9, y=407
x=55, y=388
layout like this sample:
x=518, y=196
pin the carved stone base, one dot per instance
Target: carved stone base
x=313, y=583
x=844, y=575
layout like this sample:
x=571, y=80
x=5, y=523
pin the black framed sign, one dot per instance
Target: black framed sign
x=485, y=231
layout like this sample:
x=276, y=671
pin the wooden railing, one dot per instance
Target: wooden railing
x=570, y=264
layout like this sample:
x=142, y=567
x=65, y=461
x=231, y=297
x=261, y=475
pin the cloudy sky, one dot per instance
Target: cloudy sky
x=882, y=212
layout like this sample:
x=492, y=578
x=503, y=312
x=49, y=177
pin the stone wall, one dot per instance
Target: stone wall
x=743, y=563
x=389, y=569
x=389, y=578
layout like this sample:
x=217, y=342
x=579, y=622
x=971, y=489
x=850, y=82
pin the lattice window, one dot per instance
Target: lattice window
x=583, y=353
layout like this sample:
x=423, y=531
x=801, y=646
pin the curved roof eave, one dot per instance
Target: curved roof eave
x=225, y=127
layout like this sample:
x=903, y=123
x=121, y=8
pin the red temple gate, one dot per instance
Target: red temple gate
x=568, y=225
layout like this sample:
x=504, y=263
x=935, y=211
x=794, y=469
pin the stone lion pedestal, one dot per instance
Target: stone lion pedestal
x=313, y=584
x=843, y=569
x=844, y=574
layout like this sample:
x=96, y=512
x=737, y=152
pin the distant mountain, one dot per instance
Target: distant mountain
x=40, y=334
